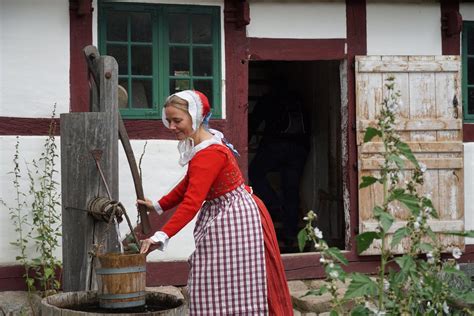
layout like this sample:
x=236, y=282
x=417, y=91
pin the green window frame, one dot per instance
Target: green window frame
x=468, y=71
x=166, y=50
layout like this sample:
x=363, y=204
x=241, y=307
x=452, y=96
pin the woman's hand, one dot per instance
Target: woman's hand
x=148, y=204
x=145, y=245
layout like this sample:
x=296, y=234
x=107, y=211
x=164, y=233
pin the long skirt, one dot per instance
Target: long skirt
x=228, y=273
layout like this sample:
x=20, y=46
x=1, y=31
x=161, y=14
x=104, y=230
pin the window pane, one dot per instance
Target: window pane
x=202, y=65
x=177, y=85
x=470, y=101
x=141, y=94
x=178, y=28
x=120, y=54
x=470, y=71
x=141, y=60
x=179, y=61
x=141, y=27
x=470, y=40
x=116, y=26
x=205, y=86
x=124, y=84
x=202, y=26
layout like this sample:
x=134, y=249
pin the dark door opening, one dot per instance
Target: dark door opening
x=295, y=146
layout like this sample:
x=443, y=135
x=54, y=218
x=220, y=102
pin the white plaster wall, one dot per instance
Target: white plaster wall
x=469, y=189
x=467, y=11
x=219, y=3
x=403, y=28
x=30, y=148
x=160, y=173
x=297, y=19
x=34, y=57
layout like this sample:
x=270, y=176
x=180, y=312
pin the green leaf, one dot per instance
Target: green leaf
x=399, y=234
x=406, y=151
x=425, y=247
x=399, y=161
x=370, y=133
x=409, y=200
x=48, y=272
x=364, y=240
x=323, y=289
x=467, y=297
x=360, y=285
x=302, y=239
x=406, y=263
x=360, y=310
x=336, y=254
x=366, y=181
x=333, y=313
x=386, y=219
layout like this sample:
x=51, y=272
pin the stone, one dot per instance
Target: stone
x=297, y=286
x=313, y=303
x=16, y=303
x=172, y=290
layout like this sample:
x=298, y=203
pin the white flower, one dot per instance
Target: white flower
x=430, y=257
x=457, y=253
x=322, y=260
x=445, y=308
x=457, y=267
x=386, y=285
x=305, y=218
x=317, y=245
x=334, y=274
x=318, y=233
x=422, y=167
x=416, y=225
x=331, y=265
x=427, y=210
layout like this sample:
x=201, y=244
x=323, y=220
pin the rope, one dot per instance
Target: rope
x=103, y=209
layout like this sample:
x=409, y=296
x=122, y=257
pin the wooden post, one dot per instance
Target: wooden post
x=80, y=134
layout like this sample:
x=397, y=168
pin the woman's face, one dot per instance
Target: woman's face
x=180, y=122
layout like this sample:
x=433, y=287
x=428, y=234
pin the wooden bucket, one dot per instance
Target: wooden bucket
x=122, y=280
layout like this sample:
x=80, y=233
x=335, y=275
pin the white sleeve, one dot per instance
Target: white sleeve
x=158, y=208
x=161, y=239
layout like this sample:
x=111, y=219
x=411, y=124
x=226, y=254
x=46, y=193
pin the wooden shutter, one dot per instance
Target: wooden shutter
x=430, y=121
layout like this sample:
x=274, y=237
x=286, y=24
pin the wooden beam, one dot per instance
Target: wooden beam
x=296, y=49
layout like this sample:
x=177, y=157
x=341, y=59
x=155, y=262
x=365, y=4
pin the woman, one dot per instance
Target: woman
x=236, y=268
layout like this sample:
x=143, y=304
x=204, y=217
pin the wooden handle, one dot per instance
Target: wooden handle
x=135, y=175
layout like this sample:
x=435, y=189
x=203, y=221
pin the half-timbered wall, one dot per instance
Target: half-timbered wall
x=34, y=62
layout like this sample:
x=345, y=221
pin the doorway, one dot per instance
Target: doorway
x=313, y=121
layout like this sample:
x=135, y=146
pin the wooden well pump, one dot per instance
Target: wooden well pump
x=89, y=144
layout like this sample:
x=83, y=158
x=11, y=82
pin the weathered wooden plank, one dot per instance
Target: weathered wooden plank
x=454, y=225
x=422, y=124
x=407, y=66
x=431, y=163
x=424, y=147
x=81, y=133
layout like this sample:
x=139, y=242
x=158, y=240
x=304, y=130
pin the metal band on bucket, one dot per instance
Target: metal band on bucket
x=121, y=270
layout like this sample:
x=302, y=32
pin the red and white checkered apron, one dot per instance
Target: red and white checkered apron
x=227, y=275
